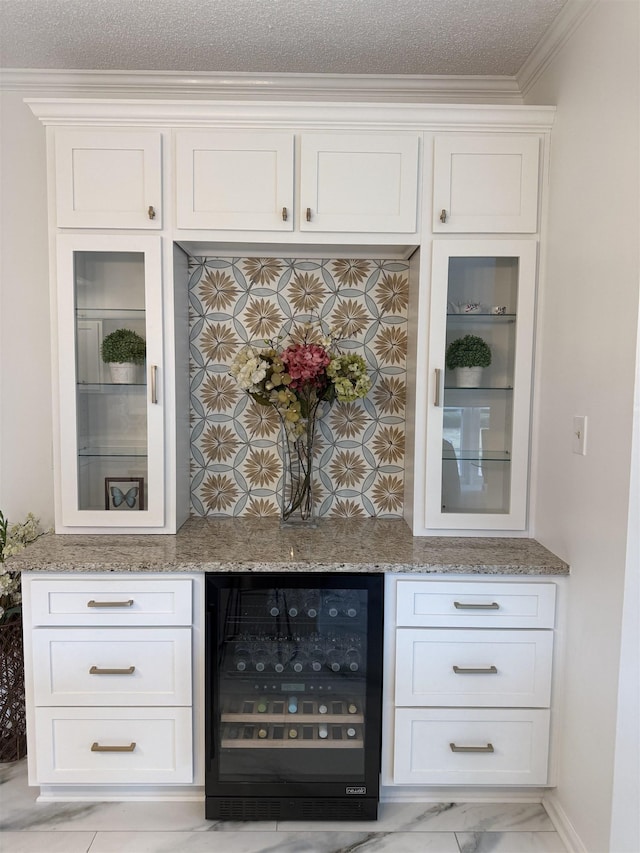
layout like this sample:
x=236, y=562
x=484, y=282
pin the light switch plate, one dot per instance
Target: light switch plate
x=580, y=435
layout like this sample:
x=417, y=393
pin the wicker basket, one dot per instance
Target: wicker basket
x=13, y=726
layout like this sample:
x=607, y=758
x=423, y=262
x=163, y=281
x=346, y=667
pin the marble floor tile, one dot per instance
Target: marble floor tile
x=440, y=817
x=274, y=842
x=45, y=842
x=510, y=842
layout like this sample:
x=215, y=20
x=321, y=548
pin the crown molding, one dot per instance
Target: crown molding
x=162, y=112
x=274, y=87
x=560, y=31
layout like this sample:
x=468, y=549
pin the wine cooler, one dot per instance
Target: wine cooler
x=293, y=696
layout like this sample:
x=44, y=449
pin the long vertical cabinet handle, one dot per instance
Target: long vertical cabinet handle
x=437, y=400
x=154, y=383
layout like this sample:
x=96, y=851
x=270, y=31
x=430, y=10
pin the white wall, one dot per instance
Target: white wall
x=26, y=476
x=587, y=362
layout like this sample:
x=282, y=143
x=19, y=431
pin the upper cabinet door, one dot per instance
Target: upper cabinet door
x=112, y=413
x=234, y=180
x=108, y=179
x=485, y=184
x=480, y=352
x=359, y=182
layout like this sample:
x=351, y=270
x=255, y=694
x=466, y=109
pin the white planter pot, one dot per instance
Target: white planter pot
x=468, y=377
x=122, y=374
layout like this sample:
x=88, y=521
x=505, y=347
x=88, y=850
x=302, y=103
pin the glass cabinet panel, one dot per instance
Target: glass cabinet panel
x=481, y=400
x=109, y=381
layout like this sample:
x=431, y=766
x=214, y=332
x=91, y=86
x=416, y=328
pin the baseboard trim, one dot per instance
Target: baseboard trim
x=563, y=825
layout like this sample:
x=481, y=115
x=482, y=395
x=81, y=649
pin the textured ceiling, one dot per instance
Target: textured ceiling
x=462, y=37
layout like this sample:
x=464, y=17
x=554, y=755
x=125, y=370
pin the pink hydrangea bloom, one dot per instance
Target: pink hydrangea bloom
x=306, y=363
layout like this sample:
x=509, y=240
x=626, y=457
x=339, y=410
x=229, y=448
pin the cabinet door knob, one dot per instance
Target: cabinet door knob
x=443, y=215
x=308, y=214
x=151, y=212
x=285, y=214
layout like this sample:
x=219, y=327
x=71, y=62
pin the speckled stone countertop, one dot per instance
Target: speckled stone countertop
x=260, y=545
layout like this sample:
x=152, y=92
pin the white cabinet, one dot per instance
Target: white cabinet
x=234, y=180
x=485, y=183
x=111, y=465
x=110, y=704
x=108, y=178
x=478, y=427
x=358, y=182
x=472, y=694
x=349, y=182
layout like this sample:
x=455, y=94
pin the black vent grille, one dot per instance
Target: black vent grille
x=284, y=808
x=319, y=809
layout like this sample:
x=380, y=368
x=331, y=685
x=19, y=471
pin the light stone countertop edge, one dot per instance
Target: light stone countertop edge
x=373, y=546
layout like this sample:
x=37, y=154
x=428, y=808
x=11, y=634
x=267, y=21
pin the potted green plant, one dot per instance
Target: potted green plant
x=122, y=350
x=468, y=356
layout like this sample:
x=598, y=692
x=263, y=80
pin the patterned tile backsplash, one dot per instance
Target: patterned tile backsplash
x=235, y=462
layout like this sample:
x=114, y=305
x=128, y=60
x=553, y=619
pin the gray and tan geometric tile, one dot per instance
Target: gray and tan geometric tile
x=236, y=466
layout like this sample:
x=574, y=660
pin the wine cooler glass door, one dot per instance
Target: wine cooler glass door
x=295, y=684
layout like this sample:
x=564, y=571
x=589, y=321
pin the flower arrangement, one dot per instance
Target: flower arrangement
x=14, y=539
x=296, y=378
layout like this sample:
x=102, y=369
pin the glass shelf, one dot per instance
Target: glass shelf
x=111, y=387
x=478, y=315
x=477, y=455
x=110, y=313
x=479, y=388
x=130, y=452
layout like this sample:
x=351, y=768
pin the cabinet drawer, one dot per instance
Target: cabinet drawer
x=114, y=666
x=471, y=604
x=480, y=668
x=151, y=745
x=471, y=747
x=117, y=602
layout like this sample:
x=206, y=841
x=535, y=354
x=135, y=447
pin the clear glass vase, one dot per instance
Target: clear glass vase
x=297, y=506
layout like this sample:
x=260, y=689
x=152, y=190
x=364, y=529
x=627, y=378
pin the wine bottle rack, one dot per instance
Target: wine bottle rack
x=274, y=709
x=291, y=735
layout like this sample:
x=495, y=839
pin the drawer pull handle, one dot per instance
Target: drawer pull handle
x=460, y=605
x=455, y=748
x=481, y=670
x=96, y=670
x=95, y=747
x=93, y=603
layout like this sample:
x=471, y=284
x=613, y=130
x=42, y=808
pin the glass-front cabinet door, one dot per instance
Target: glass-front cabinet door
x=111, y=461
x=483, y=296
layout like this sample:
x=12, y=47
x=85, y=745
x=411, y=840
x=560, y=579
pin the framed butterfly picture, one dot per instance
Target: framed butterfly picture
x=124, y=493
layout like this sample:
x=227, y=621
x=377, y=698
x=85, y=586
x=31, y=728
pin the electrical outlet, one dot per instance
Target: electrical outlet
x=580, y=435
